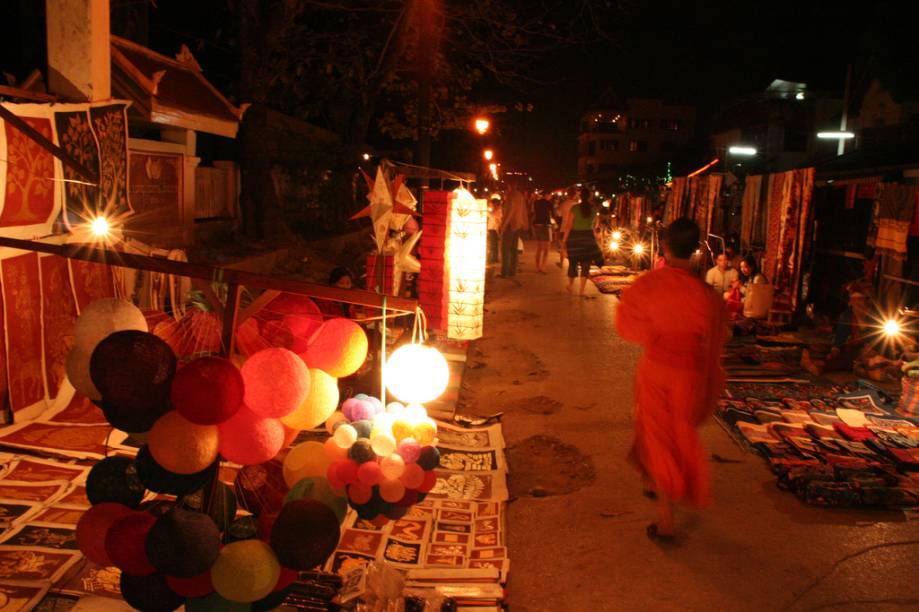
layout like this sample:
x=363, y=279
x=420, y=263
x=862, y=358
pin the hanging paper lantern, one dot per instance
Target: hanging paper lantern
x=318, y=488
x=93, y=527
x=305, y=533
x=183, y=543
x=319, y=404
x=465, y=265
x=245, y=571
x=149, y=593
x=125, y=543
x=103, y=317
x=157, y=478
x=416, y=373
x=304, y=460
x=277, y=382
x=261, y=488
x=114, y=479
x=339, y=348
x=133, y=369
x=207, y=391
x=181, y=446
x=77, y=368
x=196, y=586
x=248, y=438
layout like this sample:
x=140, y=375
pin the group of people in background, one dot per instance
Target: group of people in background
x=733, y=278
x=568, y=221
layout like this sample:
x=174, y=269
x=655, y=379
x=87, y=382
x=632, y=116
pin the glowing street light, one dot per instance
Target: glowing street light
x=488, y=154
x=742, y=150
x=99, y=227
x=613, y=246
x=366, y=156
x=638, y=248
x=482, y=125
x=835, y=135
x=617, y=235
x=892, y=328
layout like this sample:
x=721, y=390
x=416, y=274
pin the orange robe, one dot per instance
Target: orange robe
x=680, y=322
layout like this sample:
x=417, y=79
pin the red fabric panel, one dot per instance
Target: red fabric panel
x=91, y=281
x=59, y=313
x=21, y=300
x=29, y=177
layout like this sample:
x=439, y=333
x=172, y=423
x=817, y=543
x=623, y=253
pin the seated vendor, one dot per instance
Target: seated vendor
x=749, y=275
x=721, y=276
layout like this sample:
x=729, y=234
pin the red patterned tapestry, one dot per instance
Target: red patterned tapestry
x=773, y=222
x=59, y=312
x=91, y=281
x=110, y=126
x=76, y=137
x=793, y=233
x=29, y=197
x=21, y=302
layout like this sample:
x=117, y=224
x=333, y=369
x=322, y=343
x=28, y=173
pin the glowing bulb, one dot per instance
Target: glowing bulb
x=649, y=219
x=892, y=327
x=617, y=235
x=638, y=249
x=99, y=227
x=605, y=203
x=416, y=374
x=488, y=154
x=482, y=125
x=613, y=246
x=366, y=156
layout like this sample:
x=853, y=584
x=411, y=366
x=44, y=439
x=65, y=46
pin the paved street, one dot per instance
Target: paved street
x=553, y=363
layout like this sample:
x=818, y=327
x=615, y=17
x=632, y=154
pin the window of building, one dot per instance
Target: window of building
x=638, y=146
x=672, y=125
x=592, y=147
x=638, y=123
x=609, y=144
x=590, y=168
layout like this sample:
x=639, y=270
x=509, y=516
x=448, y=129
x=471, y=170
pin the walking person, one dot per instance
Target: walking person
x=580, y=244
x=680, y=323
x=514, y=222
x=493, y=225
x=542, y=218
x=564, y=208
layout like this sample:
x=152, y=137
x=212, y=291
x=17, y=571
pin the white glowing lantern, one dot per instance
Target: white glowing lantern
x=467, y=232
x=416, y=373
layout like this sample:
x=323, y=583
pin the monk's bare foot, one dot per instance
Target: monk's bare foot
x=656, y=533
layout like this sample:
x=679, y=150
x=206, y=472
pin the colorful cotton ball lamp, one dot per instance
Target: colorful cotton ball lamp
x=181, y=446
x=277, y=382
x=125, y=543
x=359, y=493
x=425, y=431
x=339, y=348
x=345, y=436
x=333, y=451
x=392, y=466
x=183, y=543
x=370, y=473
x=361, y=451
x=215, y=603
x=429, y=458
x=409, y=450
x=149, y=593
x=115, y=479
x=416, y=373
x=305, y=460
x=160, y=480
x=261, y=488
x=207, y=390
x=391, y=490
x=335, y=417
x=103, y=317
x=430, y=479
x=318, y=405
x=93, y=527
x=245, y=571
x=347, y=471
x=248, y=438
x=77, y=368
x=363, y=428
x=305, y=533
x=318, y=488
x=196, y=586
x=383, y=444
x=133, y=370
x=413, y=476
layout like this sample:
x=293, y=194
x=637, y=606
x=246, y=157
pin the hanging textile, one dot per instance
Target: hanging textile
x=693, y=198
x=896, y=204
x=774, y=209
x=78, y=140
x=750, y=209
x=635, y=203
x=799, y=187
x=712, y=199
x=675, y=199
x=59, y=310
x=29, y=188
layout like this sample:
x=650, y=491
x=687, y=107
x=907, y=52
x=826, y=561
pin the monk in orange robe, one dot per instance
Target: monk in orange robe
x=681, y=323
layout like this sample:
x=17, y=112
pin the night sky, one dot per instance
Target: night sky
x=700, y=52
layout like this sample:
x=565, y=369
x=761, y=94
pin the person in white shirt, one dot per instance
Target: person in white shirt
x=722, y=276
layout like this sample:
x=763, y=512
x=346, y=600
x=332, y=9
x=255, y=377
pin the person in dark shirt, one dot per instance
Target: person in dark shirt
x=542, y=210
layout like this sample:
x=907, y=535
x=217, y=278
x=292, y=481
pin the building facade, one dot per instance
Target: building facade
x=640, y=135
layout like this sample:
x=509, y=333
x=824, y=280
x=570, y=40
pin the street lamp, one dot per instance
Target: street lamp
x=488, y=154
x=742, y=150
x=482, y=125
x=835, y=135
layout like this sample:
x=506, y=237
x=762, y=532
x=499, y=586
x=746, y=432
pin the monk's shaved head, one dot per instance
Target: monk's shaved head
x=682, y=238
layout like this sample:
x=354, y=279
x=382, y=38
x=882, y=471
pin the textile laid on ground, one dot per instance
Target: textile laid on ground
x=457, y=528
x=750, y=211
x=830, y=445
x=612, y=278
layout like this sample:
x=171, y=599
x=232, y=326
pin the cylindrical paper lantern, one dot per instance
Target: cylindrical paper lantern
x=183, y=543
x=180, y=446
x=245, y=571
x=339, y=348
x=248, y=439
x=207, y=391
x=277, y=382
x=319, y=404
x=305, y=533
